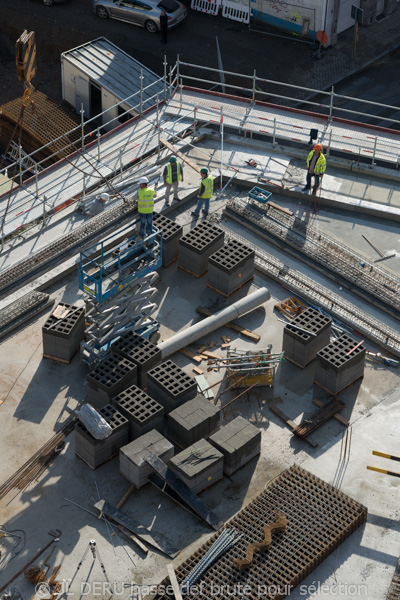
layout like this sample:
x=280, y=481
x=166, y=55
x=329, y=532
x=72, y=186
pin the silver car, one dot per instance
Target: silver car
x=145, y=13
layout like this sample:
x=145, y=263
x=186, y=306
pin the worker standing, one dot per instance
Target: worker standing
x=205, y=193
x=145, y=205
x=163, y=26
x=173, y=174
x=316, y=165
x=98, y=205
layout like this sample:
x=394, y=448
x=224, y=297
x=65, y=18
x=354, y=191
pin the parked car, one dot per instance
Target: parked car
x=51, y=2
x=145, y=13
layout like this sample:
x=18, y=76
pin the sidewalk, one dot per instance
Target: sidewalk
x=337, y=63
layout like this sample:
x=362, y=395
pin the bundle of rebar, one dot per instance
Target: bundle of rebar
x=226, y=540
x=39, y=462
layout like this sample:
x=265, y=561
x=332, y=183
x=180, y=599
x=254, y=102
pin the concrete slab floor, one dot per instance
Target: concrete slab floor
x=40, y=394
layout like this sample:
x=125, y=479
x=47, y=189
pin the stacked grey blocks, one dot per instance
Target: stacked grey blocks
x=335, y=368
x=230, y=267
x=199, y=466
x=171, y=234
x=196, y=247
x=108, y=379
x=61, y=337
x=170, y=386
x=132, y=458
x=192, y=421
x=96, y=452
x=239, y=442
x=143, y=413
x=300, y=347
x=140, y=352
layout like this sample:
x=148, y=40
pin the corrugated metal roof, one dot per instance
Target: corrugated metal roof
x=113, y=69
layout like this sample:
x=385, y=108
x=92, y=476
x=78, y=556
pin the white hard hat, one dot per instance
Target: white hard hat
x=143, y=180
x=104, y=197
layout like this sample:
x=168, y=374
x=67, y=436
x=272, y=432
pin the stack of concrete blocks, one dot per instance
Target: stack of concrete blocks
x=239, y=442
x=230, y=267
x=299, y=346
x=96, y=452
x=192, y=421
x=140, y=352
x=170, y=386
x=108, y=379
x=171, y=234
x=196, y=247
x=199, y=466
x=335, y=368
x=132, y=457
x=61, y=337
x=143, y=413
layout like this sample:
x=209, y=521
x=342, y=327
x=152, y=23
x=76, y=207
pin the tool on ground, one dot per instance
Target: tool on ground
x=251, y=162
x=384, y=471
x=385, y=257
x=259, y=194
x=28, y=564
x=378, y=357
x=92, y=546
x=381, y=254
x=222, y=544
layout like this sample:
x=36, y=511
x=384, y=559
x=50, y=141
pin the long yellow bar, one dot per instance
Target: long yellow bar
x=383, y=471
x=383, y=455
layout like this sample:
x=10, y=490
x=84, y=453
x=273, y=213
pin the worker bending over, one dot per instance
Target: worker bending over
x=205, y=193
x=98, y=205
x=173, y=174
x=145, y=205
x=316, y=165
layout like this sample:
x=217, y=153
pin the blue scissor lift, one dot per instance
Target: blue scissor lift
x=119, y=261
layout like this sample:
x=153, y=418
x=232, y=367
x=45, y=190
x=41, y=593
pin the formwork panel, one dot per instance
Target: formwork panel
x=319, y=516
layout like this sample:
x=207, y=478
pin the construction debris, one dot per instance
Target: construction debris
x=291, y=307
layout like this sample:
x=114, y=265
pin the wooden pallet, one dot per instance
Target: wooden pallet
x=296, y=363
x=170, y=262
x=191, y=273
x=234, y=291
x=61, y=360
x=291, y=307
x=340, y=391
x=309, y=425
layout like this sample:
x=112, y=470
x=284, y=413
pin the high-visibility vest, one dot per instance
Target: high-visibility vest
x=208, y=183
x=320, y=165
x=168, y=177
x=146, y=200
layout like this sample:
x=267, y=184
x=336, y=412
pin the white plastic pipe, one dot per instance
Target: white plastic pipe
x=206, y=326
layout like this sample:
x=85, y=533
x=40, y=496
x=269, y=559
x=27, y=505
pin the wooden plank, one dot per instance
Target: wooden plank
x=281, y=208
x=198, y=371
x=174, y=582
x=201, y=349
x=323, y=414
x=125, y=496
x=183, y=494
x=134, y=539
x=209, y=354
x=196, y=357
x=291, y=424
x=185, y=159
x=339, y=418
x=231, y=325
x=150, y=537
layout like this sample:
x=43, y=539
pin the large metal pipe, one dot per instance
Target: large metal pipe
x=195, y=332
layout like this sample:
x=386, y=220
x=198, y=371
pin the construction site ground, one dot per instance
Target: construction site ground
x=39, y=394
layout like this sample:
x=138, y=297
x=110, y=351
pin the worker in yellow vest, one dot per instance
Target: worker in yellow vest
x=145, y=206
x=172, y=175
x=205, y=193
x=316, y=165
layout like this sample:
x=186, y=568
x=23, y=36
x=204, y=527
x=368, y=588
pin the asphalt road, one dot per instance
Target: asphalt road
x=65, y=26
